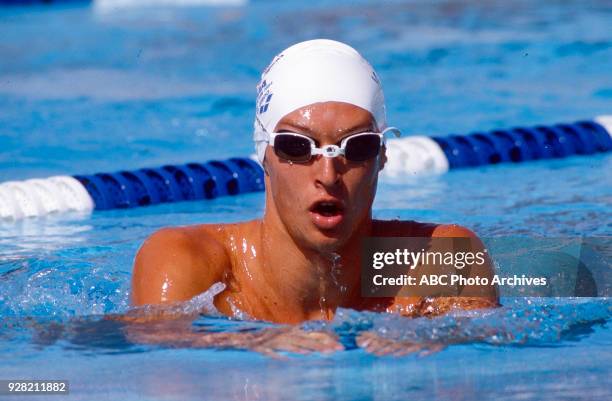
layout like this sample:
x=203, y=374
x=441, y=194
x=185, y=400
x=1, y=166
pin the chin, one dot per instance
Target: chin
x=327, y=241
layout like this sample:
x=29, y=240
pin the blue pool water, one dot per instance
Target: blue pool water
x=84, y=90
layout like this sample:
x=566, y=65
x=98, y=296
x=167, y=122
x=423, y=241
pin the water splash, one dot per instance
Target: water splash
x=531, y=322
x=200, y=304
x=61, y=287
x=521, y=322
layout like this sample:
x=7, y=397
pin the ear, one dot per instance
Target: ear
x=383, y=158
x=264, y=162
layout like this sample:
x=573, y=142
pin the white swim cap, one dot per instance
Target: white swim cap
x=314, y=71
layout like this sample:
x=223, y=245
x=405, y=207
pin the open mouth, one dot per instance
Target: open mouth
x=327, y=214
x=327, y=208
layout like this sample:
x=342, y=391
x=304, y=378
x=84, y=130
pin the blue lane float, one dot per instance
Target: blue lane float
x=523, y=144
x=173, y=183
x=418, y=155
x=412, y=155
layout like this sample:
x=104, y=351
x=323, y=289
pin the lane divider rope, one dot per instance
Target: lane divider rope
x=413, y=155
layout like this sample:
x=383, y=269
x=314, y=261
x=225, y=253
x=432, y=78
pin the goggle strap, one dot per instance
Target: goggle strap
x=391, y=131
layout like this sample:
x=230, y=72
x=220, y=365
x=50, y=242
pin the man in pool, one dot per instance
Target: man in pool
x=319, y=133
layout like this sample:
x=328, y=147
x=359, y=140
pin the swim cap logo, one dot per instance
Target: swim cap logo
x=264, y=95
x=274, y=61
x=375, y=78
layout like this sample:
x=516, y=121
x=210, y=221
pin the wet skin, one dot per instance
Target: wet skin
x=296, y=263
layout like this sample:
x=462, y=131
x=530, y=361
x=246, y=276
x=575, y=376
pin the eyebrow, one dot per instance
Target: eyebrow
x=354, y=130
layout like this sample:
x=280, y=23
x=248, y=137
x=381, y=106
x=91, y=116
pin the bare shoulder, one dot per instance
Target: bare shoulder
x=472, y=296
x=175, y=264
x=402, y=228
x=452, y=231
x=457, y=231
x=411, y=228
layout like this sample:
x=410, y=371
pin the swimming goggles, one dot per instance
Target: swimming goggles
x=300, y=148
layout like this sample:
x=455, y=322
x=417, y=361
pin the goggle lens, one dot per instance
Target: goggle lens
x=292, y=147
x=362, y=148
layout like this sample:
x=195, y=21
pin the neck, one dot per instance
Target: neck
x=310, y=282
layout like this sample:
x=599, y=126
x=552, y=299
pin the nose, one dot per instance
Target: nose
x=328, y=171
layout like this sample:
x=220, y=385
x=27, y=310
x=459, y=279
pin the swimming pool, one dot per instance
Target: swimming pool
x=85, y=90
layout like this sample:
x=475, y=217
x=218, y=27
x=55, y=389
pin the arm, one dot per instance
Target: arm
x=432, y=306
x=487, y=296
x=269, y=341
x=175, y=264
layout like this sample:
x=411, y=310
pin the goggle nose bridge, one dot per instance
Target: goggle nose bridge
x=328, y=151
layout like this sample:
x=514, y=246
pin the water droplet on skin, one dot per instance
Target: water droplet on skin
x=246, y=269
x=322, y=306
x=244, y=245
x=165, y=288
x=232, y=243
x=336, y=270
x=237, y=313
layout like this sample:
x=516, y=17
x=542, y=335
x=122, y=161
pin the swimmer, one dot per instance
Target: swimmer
x=319, y=132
